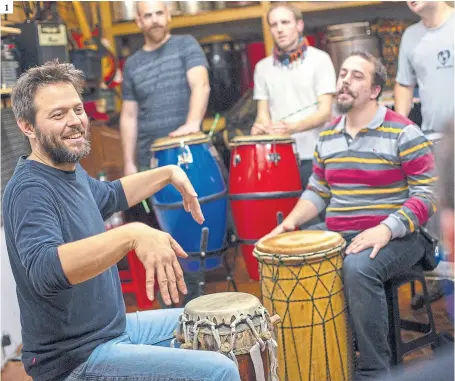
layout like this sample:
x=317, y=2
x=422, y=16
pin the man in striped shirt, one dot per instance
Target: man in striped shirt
x=373, y=171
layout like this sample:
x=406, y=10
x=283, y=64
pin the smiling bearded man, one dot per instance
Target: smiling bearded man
x=73, y=318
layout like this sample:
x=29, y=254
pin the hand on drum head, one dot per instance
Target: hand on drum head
x=180, y=180
x=260, y=129
x=376, y=237
x=284, y=227
x=283, y=128
x=186, y=129
x=158, y=253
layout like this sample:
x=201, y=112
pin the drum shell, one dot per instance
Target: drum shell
x=126, y=10
x=123, y=11
x=256, y=173
x=204, y=172
x=191, y=7
x=255, y=218
x=259, y=189
x=225, y=74
x=232, y=328
x=344, y=39
x=314, y=338
x=205, y=175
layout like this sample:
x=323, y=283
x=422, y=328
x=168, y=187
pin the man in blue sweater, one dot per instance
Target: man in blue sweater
x=74, y=325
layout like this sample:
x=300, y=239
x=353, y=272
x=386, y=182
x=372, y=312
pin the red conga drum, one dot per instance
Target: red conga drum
x=264, y=179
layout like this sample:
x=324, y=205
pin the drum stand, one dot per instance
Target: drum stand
x=202, y=255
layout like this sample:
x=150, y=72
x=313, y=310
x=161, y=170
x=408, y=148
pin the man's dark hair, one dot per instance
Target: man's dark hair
x=52, y=72
x=380, y=72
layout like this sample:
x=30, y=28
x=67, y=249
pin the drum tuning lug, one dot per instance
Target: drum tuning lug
x=185, y=157
x=237, y=159
x=274, y=157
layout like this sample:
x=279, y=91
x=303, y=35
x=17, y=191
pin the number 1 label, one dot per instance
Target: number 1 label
x=6, y=6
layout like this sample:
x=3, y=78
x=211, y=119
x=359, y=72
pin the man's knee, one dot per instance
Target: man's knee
x=225, y=369
x=358, y=269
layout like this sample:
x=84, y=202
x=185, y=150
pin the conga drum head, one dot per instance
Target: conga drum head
x=261, y=139
x=178, y=141
x=310, y=244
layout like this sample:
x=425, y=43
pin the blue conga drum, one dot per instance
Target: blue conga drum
x=197, y=157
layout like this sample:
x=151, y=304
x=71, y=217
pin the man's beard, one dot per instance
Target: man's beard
x=157, y=33
x=345, y=107
x=57, y=150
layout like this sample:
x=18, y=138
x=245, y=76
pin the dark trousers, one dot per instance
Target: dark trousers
x=364, y=280
x=439, y=368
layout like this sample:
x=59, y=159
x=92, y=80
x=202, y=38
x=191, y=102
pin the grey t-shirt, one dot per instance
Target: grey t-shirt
x=426, y=59
x=157, y=81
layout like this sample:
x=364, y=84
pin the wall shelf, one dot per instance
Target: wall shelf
x=6, y=30
x=6, y=91
x=315, y=6
x=241, y=13
x=205, y=18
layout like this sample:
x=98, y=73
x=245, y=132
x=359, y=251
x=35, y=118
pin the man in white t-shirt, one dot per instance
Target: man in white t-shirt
x=294, y=86
x=426, y=59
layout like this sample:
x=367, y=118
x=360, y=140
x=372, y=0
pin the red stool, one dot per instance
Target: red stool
x=133, y=281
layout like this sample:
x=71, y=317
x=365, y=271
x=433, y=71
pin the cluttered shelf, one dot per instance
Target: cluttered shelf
x=204, y=18
x=314, y=6
x=236, y=14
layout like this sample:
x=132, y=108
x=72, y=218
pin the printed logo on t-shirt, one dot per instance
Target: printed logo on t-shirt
x=443, y=58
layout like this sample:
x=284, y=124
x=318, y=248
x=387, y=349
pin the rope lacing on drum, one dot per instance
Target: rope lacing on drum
x=326, y=315
x=183, y=321
x=212, y=328
x=271, y=346
x=264, y=339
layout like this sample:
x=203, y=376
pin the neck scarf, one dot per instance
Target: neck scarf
x=288, y=58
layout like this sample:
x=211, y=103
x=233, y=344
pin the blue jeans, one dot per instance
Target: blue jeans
x=143, y=353
x=364, y=280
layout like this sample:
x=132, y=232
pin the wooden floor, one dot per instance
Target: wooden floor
x=216, y=282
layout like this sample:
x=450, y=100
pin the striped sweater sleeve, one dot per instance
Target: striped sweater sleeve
x=317, y=190
x=418, y=164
